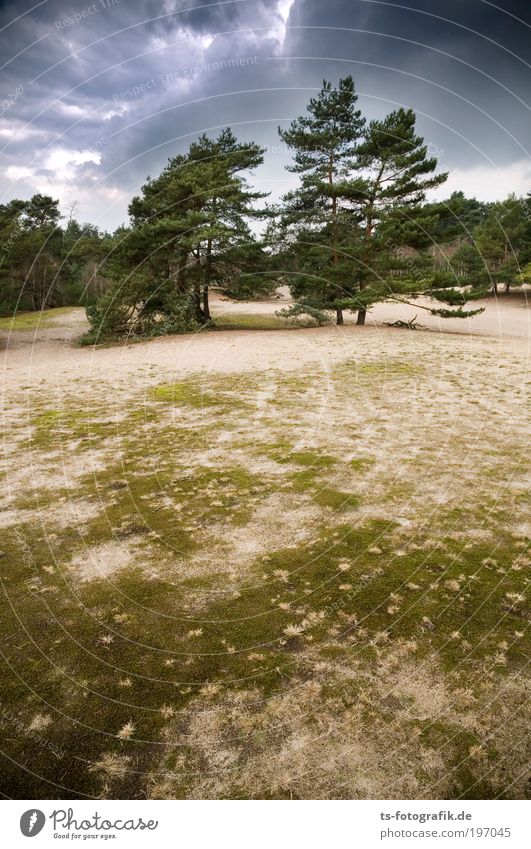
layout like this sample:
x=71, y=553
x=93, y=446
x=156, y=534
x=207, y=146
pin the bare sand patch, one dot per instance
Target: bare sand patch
x=123, y=370
x=294, y=745
x=278, y=521
x=104, y=560
x=62, y=514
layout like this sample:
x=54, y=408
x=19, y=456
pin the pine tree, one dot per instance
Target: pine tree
x=498, y=249
x=324, y=144
x=355, y=232
x=455, y=218
x=188, y=230
x=227, y=205
x=32, y=272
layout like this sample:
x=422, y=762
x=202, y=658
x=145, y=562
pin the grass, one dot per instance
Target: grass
x=291, y=611
x=249, y=321
x=22, y=321
x=185, y=394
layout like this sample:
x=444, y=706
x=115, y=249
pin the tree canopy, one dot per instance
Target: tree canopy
x=359, y=228
x=362, y=235
x=189, y=230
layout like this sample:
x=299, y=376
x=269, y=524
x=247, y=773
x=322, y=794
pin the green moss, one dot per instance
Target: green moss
x=361, y=464
x=328, y=497
x=168, y=498
x=304, y=482
x=351, y=592
x=48, y=419
x=56, y=428
x=313, y=459
x=151, y=621
x=383, y=369
x=467, y=780
x=311, y=480
x=22, y=321
x=248, y=321
x=184, y=394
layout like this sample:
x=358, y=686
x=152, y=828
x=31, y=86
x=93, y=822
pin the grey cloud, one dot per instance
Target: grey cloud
x=76, y=79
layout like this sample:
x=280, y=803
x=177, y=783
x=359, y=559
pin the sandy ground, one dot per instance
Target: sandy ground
x=502, y=317
x=350, y=661
x=47, y=353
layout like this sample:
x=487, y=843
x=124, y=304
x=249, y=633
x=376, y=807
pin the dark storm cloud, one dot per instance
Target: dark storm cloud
x=463, y=64
x=107, y=90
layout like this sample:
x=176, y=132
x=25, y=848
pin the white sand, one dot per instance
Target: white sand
x=48, y=357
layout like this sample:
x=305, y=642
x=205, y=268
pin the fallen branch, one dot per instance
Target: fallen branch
x=409, y=325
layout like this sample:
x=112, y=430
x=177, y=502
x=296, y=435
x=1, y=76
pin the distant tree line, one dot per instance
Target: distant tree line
x=356, y=230
x=43, y=264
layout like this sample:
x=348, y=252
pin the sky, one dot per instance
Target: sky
x=96, y=96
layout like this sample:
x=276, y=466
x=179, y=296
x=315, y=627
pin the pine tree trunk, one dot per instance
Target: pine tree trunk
x=362, y=314
x=206, y=281
x=199, y=315
x=198, y=312
x=335, y=257
x=180, y=279
x=206, y=305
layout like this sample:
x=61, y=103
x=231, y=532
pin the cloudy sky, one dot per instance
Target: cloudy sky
x=97, y=95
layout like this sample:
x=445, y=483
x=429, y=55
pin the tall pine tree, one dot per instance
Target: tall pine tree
x=227, y=207
x=324, y=144
x=355, y=228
